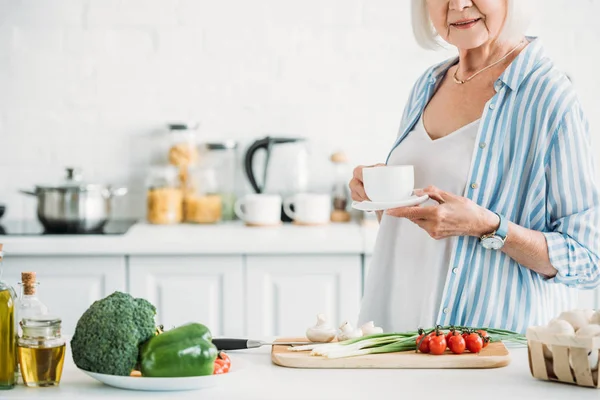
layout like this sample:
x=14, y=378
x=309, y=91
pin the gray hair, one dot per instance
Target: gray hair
x=517, y=21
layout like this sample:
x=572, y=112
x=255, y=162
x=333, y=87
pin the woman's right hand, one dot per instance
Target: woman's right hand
x=357, y=189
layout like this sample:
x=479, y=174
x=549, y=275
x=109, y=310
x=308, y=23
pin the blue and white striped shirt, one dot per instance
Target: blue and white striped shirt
x=532, y=163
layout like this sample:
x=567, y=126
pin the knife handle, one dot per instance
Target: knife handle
x=231, y=344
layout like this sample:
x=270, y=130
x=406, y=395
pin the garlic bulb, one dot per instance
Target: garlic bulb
x=322, y=332
x=370, y=329
x=576, y=318
x=348, y=332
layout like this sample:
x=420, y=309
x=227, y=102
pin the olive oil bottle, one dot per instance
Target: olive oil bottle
x=8, y=337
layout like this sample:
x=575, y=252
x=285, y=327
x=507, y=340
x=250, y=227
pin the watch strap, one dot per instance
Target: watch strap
x=502, y=230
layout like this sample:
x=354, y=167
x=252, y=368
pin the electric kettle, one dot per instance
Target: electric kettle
x=284, y=168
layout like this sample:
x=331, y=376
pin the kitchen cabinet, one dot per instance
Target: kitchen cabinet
x=69, y=285
x=206, y=289
x=285, y=293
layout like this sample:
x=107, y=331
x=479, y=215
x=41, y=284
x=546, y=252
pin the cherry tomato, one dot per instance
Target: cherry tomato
x=437, y=344
x=424, y=347
x=450, y=334
x=474, y=343
x=485, y=337
x=457, y=344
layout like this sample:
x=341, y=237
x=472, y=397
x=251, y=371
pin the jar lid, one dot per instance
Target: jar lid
x=182, y=126
x=221, y=145
x=40, y=321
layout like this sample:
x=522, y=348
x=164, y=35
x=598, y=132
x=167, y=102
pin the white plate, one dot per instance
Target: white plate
x=167, y=384
x=374, y=206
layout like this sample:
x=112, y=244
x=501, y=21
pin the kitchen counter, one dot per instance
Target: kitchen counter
x=259, y=379
x=227, y=238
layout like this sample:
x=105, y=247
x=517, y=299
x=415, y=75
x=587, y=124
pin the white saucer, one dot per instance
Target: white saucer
x=378, y=206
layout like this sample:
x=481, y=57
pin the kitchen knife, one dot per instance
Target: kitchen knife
x=240, y=344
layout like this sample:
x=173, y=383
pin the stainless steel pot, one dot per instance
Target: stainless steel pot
x=74, y=206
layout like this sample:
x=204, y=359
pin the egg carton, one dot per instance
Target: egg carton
x=563, y=358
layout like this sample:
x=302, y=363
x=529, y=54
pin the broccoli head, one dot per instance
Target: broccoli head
x=109, y=333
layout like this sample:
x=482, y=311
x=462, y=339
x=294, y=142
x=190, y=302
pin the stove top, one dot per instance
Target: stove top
x=34, y=228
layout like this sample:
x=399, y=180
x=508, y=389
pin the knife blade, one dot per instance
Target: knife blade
x=242, y=344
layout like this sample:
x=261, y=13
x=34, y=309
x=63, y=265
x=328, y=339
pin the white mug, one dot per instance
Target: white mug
x=389, y=183
x=309, y=208
x=259, y=209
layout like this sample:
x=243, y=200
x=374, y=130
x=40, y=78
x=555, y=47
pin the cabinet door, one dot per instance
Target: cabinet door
x=285, y=293
x=192, y=289
x=69, y=285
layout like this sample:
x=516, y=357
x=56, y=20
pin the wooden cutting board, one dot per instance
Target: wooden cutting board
x=495, y=355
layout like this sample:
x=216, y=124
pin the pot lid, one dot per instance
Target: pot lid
x=73, y=181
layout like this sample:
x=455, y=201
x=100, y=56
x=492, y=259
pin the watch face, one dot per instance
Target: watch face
x=492, y=243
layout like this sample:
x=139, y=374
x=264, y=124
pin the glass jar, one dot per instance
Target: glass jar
x=340, y=192
x=222, y=157
x=164, y=196
x=183, y=150
x=41, y=351
x=203, y=202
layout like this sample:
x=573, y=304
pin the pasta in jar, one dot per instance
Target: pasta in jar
x=164, y=197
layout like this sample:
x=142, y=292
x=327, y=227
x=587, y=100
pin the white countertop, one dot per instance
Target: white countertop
x=260, y=379
x=227, y=238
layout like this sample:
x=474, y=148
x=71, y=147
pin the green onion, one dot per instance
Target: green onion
x=395, y=342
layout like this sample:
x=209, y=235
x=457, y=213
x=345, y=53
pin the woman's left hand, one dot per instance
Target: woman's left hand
x=452, y=216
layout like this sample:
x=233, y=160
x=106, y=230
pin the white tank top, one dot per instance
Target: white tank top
x=406, y=278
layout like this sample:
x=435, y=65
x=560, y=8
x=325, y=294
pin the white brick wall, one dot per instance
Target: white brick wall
x=88, y=82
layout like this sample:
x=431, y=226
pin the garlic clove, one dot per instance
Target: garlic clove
x=370, y=329
x=347, y=332
x=595, y=318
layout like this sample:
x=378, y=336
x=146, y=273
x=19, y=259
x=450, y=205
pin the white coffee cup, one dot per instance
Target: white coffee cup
x=309, y=208
x=259, y=209
x=389, y=183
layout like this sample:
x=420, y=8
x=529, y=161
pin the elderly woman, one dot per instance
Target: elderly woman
x=499, y=141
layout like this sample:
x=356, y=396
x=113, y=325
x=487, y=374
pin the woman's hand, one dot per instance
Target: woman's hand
x=452, y=216
x=357, y=189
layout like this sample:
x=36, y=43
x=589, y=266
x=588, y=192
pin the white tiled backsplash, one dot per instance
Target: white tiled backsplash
x=87, y=82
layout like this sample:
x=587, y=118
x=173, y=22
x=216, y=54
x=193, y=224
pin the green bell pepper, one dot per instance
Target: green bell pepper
x=183, y=351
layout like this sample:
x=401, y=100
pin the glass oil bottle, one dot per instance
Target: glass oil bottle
x=28, y=304
x=8, y=336
x=41, y=351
